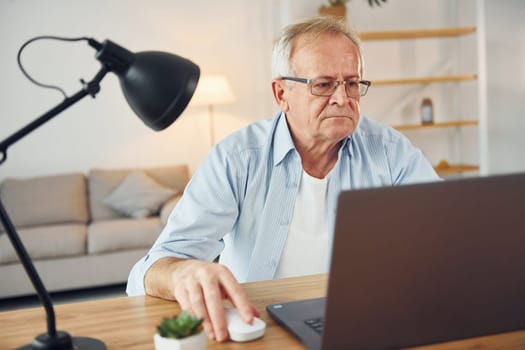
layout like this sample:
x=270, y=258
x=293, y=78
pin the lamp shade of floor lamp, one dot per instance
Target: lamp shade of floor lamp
x=213, y=89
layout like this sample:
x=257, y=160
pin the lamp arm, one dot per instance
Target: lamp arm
x=91, y=88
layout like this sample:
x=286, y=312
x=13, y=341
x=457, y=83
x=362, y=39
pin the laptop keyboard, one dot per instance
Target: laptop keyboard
x=316, y=324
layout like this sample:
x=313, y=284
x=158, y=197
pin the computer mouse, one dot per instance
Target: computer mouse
x=241, y=331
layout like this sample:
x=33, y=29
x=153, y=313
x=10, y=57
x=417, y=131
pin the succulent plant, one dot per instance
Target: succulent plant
x=181, y=326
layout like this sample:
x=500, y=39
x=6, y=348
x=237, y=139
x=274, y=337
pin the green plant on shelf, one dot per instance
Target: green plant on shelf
x=181, y=326
x=337, y=2
x=344, y=2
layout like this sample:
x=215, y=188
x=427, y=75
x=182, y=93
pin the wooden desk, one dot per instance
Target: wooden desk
x=129, y=323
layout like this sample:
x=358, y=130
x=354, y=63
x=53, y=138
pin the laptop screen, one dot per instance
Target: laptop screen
x=424, y=263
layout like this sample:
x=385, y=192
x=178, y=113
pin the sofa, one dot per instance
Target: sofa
x=85, y=230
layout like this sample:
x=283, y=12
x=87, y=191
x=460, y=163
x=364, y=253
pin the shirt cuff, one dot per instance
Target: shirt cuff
x=135, y=284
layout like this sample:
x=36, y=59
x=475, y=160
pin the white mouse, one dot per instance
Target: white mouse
x=241, y=331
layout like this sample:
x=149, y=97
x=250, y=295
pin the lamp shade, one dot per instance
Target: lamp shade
x=213, y=89
x=157, y=85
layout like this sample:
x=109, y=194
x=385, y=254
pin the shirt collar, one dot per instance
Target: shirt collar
x=349, y=140
x=282, y=143
x=347, y=144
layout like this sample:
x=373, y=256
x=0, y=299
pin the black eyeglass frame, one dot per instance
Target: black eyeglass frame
x=363, y=85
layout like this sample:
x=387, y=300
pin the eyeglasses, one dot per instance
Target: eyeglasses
x=327, y=86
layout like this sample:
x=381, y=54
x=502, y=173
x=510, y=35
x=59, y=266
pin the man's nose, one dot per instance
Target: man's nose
x=340, y=96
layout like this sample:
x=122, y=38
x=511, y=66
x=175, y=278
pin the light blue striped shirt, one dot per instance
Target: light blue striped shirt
x=240, y=202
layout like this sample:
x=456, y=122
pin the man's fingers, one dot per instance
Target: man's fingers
x=181, y=295
x=237, y=296
x=200, y=288
x=214, y=303
x=199, y=307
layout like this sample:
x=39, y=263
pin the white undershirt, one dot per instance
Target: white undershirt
x=306, y=248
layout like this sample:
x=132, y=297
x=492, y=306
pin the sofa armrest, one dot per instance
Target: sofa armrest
x=167, y=208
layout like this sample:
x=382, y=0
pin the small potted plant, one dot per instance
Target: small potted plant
x=336, y=8
x=182, y=332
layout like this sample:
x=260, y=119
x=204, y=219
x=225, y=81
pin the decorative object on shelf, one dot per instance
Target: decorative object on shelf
x=182, y=332
x=442, y=165
x=213, y=89
x=444, y=168
x=337, y=8
x=427, y=111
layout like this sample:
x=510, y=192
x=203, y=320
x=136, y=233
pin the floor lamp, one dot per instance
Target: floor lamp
x=213, y=89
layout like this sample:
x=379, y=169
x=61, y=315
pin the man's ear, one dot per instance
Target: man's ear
x=279, y=93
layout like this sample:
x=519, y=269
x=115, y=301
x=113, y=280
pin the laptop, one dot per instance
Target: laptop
x=419, y=264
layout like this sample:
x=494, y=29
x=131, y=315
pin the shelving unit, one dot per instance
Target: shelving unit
x=426, y=80
x=416, y=33
x=443, y=167
x=452, y=124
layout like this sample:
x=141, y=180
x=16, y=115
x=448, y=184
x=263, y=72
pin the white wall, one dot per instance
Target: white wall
x=505, y=40
x=232, y=36
x=235, y=37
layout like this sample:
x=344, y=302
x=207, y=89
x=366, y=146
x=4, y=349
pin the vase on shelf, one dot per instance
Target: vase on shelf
x=427, y=111
x=334, y=10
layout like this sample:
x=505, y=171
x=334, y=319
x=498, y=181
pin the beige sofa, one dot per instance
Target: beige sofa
x=85, y=230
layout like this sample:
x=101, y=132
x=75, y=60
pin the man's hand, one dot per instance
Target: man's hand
x=200, y=287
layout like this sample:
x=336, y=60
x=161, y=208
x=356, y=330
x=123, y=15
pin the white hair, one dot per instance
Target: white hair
x=315, y=27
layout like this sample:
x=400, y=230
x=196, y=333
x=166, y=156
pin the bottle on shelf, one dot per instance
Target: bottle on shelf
x=427, y=111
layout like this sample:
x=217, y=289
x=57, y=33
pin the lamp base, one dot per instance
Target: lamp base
x=63, y=341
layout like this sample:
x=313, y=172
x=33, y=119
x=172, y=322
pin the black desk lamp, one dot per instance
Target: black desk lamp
x=158, y=87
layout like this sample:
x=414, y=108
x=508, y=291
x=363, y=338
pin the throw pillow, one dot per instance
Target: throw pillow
x=138, y=196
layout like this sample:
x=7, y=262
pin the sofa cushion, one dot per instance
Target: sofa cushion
x=46, y=242
x=138, y=196
x=46, y=200
x=102, y=182
x=121, y=234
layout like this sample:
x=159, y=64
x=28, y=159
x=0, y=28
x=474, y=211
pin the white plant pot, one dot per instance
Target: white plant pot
x=195, y=342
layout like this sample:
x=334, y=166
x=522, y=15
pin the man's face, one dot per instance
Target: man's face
x=316, y=120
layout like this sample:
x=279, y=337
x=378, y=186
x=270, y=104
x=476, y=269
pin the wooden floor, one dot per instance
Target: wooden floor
x=64, y=297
